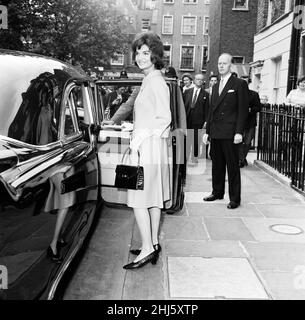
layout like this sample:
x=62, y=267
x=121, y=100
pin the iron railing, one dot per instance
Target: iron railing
x=281, y=141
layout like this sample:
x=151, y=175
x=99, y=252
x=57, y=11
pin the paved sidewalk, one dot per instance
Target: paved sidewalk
x=256, y=251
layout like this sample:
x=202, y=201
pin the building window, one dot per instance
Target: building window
x=167, y=54
x=149, y=4
x=238, y=60
x=168, y=1
x=270, y=12
x=241, y=5
x=206, y=25
x=187, y=55
x=277, y=62
x=189, y=25
x=145, y=25
x=117, y=60
x=205, y=57
x=190, y=1
x=167, y=25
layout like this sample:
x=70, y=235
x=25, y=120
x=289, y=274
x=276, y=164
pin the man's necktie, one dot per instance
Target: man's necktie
x=221, y=86
x=194, y=99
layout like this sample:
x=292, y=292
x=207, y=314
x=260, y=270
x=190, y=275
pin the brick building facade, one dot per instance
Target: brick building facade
x=232, y=31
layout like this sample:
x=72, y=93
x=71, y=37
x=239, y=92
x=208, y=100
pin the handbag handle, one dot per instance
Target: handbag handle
x=129, y=150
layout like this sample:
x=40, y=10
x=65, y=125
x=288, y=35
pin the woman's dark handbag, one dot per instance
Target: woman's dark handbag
x=129, y=177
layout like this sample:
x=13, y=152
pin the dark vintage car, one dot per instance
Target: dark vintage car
x=57, y=166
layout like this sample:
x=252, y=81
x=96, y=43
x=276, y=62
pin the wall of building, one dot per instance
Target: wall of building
x=215, y=35
x=177, y=10
x=234, y=32
x=272, y=48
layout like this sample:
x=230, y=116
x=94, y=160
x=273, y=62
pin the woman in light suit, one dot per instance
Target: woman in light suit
x=151, y=130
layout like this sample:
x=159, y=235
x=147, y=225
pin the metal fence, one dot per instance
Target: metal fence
x=281, y=141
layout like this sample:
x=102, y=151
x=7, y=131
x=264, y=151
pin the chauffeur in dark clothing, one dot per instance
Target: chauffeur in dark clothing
x=254, y=107
x=196, y=101
x=225, y=126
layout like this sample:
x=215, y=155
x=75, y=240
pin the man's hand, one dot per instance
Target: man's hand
x=205, y=139
x=204, y=126
x=238, y=138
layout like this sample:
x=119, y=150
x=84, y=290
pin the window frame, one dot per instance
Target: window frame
x=170, y=51
x=167, y=2
x=245, y=8
x=204, y=21
x=114, y=63
x=180, y=59
x=73, y=112
x=202, y=51
x=187, y=2
x=243, y=57
x=147, y=20
x=182, y=25
x=172, y=24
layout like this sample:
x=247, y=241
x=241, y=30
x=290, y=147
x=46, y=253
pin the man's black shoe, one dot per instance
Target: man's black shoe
x=212, y=197
x=232, y=205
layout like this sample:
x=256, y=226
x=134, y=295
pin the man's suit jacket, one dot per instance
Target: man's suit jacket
x=196, y=116
x=228, y=112
x=254, y=107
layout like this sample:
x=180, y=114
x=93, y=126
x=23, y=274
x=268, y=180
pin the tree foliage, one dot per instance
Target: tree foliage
x=85, y=32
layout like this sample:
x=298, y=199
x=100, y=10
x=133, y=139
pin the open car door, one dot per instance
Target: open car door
x=113, y=140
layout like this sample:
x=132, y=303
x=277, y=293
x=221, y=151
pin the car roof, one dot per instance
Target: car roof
x=10, y=60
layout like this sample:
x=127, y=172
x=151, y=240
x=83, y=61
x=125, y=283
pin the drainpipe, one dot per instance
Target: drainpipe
x=294, y=51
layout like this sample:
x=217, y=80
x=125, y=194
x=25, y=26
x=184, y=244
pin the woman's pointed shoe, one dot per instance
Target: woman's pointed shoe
x=152, y=257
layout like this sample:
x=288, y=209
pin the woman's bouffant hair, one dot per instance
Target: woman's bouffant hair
x=301, y=80
x=155, y=45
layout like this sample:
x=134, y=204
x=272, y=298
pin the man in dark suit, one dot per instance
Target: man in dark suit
x=196, y=101
x=114, y=100
x=249, y=133
x=225, y=126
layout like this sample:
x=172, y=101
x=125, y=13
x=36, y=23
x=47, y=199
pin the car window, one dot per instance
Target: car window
x=112, y=97
x=36, y=121
x=73, y=108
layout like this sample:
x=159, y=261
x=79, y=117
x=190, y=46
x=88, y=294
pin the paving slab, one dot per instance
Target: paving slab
x=183, y=228
x=227, y=278
x=146, y=283
x=220, y=210
x=286, y=285
x=276, y=256
x=95, y=277
x=260, y=228
x=227, y=229
x=201, y=248
x=282, y=211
